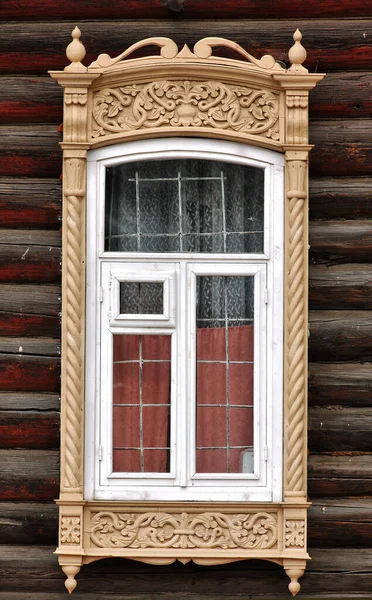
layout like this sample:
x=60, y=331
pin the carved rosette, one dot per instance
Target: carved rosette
x=73, y=323
x=296, y=326
x=70, y=530
x=180, y=104
x=249, y=531
x=295, y=533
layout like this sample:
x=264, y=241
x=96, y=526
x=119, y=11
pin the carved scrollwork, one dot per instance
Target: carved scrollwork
x=70, y=530
x=184, y=530
x=295, y=533
x=186, y=104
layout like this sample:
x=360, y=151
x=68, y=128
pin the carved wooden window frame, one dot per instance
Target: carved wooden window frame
x=93, y=97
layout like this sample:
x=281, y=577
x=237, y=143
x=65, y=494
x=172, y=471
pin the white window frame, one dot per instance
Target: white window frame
x=269, y=488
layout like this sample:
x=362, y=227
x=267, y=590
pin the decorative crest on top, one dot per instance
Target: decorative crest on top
x=75, y=52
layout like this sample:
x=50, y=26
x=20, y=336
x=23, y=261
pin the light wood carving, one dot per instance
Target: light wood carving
x=250, y=100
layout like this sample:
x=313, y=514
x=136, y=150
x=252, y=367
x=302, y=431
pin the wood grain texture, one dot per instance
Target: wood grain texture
x=340, y=384
x=32, y=151
x=29, y=373
x=29, y=325
x=341, y=241
x=340, y=335
x=340, y=523
x=29, y=475
x=30, y=203
x=28, y=264
x=28, y=523
x=329, y=575
x=26, y=99
x=338, y=429
x=28, y=429
x=38, y=299
x=340, y=286
x=340, y=198
x=29, y=401
x=340, y=474
x=39, y=346
x=330, y=44
x=156, y=9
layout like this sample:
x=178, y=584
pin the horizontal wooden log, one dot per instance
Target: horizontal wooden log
x=332, y=523
x=340, y=286
x=29, y=475
x=30, y=203
x=29, y=401
x=340, y=384
x=27, y=99
x=29, y=429
x=338, y=429
x=330, y=44
x=19, y=324
x=340, y=241
x=31, y=237
x=32, y=299
x=342, y=148
x=34, y=10
x=28, y=264
x=345, y=148
x=24, y=523
x=332, y=573
x=342, y=95
x=39, y=346
x=339, y=523
x=29, y=373
x=30, y=151
x=343, y=474
x=340, y=198
x=340, y=335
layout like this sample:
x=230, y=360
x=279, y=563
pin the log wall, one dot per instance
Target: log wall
x=336, y=34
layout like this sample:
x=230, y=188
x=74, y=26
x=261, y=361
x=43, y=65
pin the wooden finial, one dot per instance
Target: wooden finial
x=297, y=54
x=75, y=52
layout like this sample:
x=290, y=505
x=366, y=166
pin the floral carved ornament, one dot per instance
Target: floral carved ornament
x=186, y=104
x=183, y=530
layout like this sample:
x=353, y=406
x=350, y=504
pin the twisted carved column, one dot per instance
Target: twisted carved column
x=296, y=325
x=73, y=325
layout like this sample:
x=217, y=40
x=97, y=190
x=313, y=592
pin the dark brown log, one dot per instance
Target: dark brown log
x=340, y=241
x=30, y=151
x=202, y=9
x=340, y=286
x=341, y=384
x=31, y=203
x=29, y=401
x=339, y=523
x=342, y=95
x=23, y=523
x=37, y=299
x=30, y=100
x=26, y=99
x=29, y=373
x=29, y=264
x=342, y=148
x=341, y=198
x=339, y=429
x=330, y=572
x=348, y=474
x=19, y=324
x=340, y=335
x=29, y=475
x=28, y=429
x=31, y=237
x=330, y=44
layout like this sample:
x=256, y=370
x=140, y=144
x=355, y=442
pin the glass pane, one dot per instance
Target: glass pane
x=141, y=403
x=224, y=355
x=138, y=298
x=184, y=205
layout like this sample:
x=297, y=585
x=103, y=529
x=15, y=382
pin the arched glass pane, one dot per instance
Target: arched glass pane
x=185, y=205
